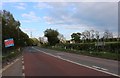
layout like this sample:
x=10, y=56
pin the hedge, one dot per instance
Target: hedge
x=108, y=47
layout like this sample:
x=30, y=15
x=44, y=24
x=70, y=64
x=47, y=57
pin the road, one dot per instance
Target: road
x=105, y=64
x=43, y=62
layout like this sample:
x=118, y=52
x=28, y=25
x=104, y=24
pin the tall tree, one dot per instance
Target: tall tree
x=10, y=29
x=108, y=34
x=92, y=34
x=61, y=38
x=76, y=37
x=97, y=34
x=52, y=36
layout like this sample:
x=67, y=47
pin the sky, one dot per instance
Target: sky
x=65, y=17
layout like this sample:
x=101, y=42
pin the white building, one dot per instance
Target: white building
x=43, y=39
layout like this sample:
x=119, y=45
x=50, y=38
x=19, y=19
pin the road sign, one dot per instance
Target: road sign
x=9, y=42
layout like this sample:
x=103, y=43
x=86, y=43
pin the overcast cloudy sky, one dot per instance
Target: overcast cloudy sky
x=66, y=17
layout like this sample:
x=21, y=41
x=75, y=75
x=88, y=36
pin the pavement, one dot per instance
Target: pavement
x=13, y=69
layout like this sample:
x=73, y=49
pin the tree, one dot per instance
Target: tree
x=52, y=36
x=92, y=34
x=83, y=36
x=87, y=33
x=76, y=37
x=61, y=38
x=10, y=28
x=97, y=35
x=108, y=34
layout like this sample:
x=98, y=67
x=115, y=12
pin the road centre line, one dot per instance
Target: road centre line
x=78, y=63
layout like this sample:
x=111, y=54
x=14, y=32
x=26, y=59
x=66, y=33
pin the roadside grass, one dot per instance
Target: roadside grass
x=10, y=55
x=100, y=54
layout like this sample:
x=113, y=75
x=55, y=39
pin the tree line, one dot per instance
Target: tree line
x=86, y=43
x=88, y=36
x=11, y=29
x=92, y=36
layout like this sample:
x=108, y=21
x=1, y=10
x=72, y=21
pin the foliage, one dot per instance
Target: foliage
x=108, y=47
x=10, y=55
x=10, y=29
x=109, y=51
x=35, y=41
x=52, y=36
x=76, y=37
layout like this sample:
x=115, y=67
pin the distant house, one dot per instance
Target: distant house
x=43, y=40
x=70, y=41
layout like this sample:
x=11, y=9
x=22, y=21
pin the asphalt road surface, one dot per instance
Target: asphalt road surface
x=104, y=64
x=44, y=62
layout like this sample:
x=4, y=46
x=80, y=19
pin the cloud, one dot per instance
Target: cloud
x=60, y=1
x=20, y=6
x=48, y=19
x=98, y=15
x=28, y=29
x=78, y=27
x=1, y=5
x=84, y=16
x=42, y=5
x=30, y=17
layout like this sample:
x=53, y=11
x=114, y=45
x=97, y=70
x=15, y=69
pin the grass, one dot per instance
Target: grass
x=11, y=55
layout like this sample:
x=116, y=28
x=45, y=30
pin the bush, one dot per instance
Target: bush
x=110, y=50
x=108, y=47
x=11, y=55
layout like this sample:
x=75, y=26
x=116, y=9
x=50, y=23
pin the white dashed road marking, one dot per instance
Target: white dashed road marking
x=23, y=68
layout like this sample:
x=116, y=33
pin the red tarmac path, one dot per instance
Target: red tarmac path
x=40, y=64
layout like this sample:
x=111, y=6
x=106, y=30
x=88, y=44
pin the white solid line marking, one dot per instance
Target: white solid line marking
x=78, y=63
x=104, y=69
x=58, y=56
x=9, y=65
x=96, y=67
